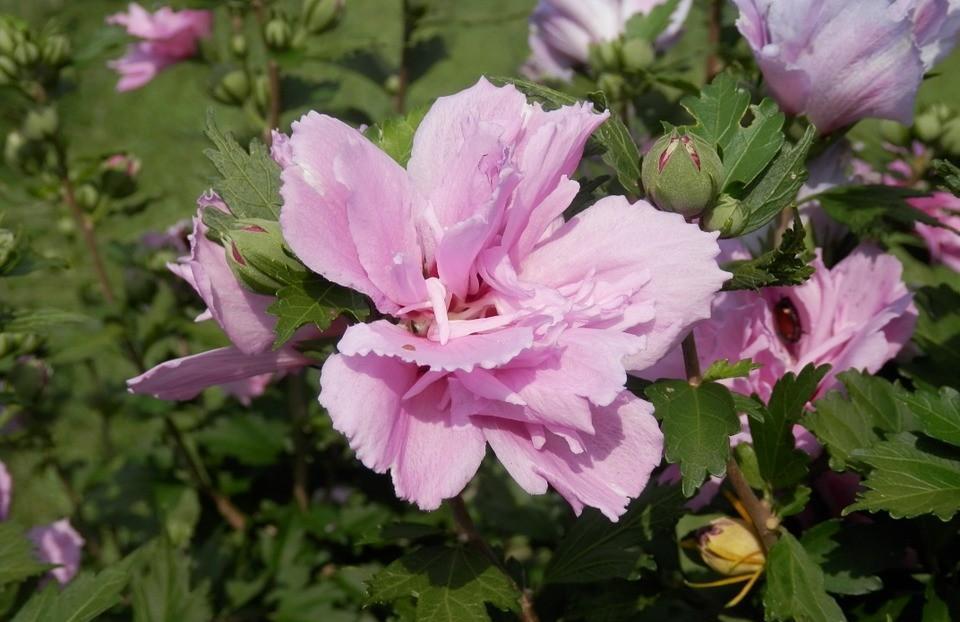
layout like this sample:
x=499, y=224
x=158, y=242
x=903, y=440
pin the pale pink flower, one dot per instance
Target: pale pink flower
x=166, y=37
x=59, y=543
x=944, y=244
x=242, y=368
x=6, y=491
x=839, y=61
x=562, y=31
x=511, y=326
x=176, y=237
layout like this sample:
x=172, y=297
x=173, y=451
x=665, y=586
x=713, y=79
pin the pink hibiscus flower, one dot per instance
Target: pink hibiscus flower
x=167, y=37
x=511, y=327
x=59, y=543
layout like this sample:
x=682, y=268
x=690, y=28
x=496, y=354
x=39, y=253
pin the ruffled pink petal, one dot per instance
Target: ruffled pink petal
x=614, y=466
x=185, y=378
x=59, y=543
x=486, y=350
x=362, y=395
x=314, y=213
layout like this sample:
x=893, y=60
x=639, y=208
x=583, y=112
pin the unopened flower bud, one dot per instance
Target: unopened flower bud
x=318, y=15
x=261, y=91
x=87, y=196
x=238, y=45
x=612, y=85
x=392, y=84
x=41, y=123
x=950, y=138
x=277, y=33
x=730, y=548
x=682, y=173
x=8, y=70
x=233, y=88
x=29, y=377
x=928, y=124
x=637, y=54
x=728, y=216
x=26, y=53
x=118, y=176
x=7, y=40
x=605, y=56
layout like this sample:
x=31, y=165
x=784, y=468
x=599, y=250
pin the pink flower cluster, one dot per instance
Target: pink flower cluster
x=166, y=37
x=57, y=543
x=839, y=61
x=562, y=31
x=510, y=327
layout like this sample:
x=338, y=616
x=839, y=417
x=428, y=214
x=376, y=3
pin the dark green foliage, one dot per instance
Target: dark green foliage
x=788, y=264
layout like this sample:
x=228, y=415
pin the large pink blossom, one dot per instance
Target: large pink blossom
x=856, y=315
x=510, y=326
x=944, y=244
x=59, y=543
x=838, y=61
x=244, y=368
x=166, y=37
x=562, y=31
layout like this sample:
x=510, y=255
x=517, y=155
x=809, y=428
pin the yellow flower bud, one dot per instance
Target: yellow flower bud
x=731, y=548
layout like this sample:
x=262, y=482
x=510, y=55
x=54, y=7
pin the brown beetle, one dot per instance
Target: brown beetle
x=787, y=320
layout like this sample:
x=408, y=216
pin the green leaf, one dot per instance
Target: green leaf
x=449, y=585
x=38, y=320
x=619, y=150
x=594, y=549
x=778, y=187
x=697, y=425
x=85, y=598
x=937, y=414
x=874, y=211
x=849, y=555
x=259, y=257
x=17, y=559
x=751, y=149
x=908, y=481
x=795, y=586
x=395, y=136
x=649, y=26
x=162, y=591
x=249, y=181
x=718, y=110
x=781, y=464
x=855, y=419
x=949, y=173
x=724, y=369
x=938, y=335
x=788, y=264
x=316, y=302
x=250, y=439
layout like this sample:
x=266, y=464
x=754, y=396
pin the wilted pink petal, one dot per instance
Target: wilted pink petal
x=944, y=244
x=836, y=61
x=185, y=378
x=562, y=31
x=59, y=543
x=167, y=37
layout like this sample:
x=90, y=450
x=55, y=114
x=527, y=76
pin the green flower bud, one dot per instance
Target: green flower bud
x=41, y=123
x=637, y=54
x=87, y=196
x=238, y=45
x=950, y=138
x=612, y=85
x=233, y=88
x=605, y=56
x=277, y=33
x=928, y=125
x=7, y=40
x=258, y=257
x=318, y=15
x=13, y=149
x=26, y=53
x=894, y=132
x=728, y=216
x=9, y=72
x=392, y=84
x=261, y=91
x=29, y=377
x=681, y=173
x=56, y=51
